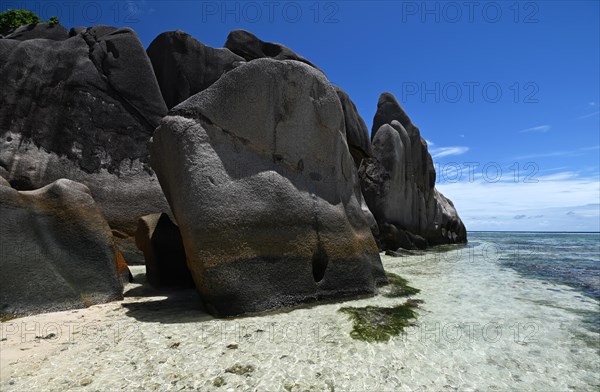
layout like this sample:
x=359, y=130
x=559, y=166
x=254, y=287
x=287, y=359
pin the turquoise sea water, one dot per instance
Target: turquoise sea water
x=572, y=259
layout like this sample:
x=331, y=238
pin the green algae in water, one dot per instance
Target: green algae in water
x=398, y=287
x=378, y=324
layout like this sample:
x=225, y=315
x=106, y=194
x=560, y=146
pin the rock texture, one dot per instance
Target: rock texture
x=184, y=66
x=41, y=30
x=357, y=132
x=250, y=47
x=57, y=250
x=159, y=238
x=398, y=184
x=83, y=108
x=278, y=222
x=122, y=268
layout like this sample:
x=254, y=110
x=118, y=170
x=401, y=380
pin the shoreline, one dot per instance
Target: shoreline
x=481, y=326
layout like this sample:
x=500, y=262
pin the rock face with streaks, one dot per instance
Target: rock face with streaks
x=278, y=222
x=185, y=66
x=357, y=132
x=57, y=251
x=278, y=192
x=250, y=47
x=83, y=108
x=398, y=184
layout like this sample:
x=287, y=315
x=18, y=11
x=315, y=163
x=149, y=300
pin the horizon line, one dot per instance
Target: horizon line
x=530, y=231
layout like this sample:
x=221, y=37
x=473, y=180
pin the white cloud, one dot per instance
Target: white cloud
x=591, y=148
x=559, y=202
x=441, y=152
x=571, y=153
x=540, y=128
x=429, y=143
x=566, y=175
x=588, y=115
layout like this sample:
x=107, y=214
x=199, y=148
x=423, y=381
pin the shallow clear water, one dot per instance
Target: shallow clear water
x=487, y=323
x=572, y=259
x=566, y=258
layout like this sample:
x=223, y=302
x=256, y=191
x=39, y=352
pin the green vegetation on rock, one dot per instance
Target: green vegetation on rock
x=11, y=19
x=53, y=21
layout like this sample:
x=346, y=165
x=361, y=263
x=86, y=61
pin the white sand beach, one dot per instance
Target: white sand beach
x=481, y=327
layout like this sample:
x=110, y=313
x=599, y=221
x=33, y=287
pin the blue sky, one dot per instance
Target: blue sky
x=492, y=85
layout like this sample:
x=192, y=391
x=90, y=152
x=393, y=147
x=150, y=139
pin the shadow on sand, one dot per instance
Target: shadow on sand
x=165, y=306
x=183, y=305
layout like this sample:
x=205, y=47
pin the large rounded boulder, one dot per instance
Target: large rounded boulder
x=258, y=174
x=57, y=251
x=398, y=184
x=250, y=47
x=54, y=32
x=185, y=66
x=83, y=108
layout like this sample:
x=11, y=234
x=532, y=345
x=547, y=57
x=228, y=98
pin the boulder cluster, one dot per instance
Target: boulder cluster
x=242, y=171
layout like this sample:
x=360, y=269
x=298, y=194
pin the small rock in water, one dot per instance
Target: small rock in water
x=219, y=381
x=85, y=382
x=413, y=303
x=330, y=385
x=399, y=253
x=240, y=370
x=288, y=386
x=232, y=346
x=174, y=345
